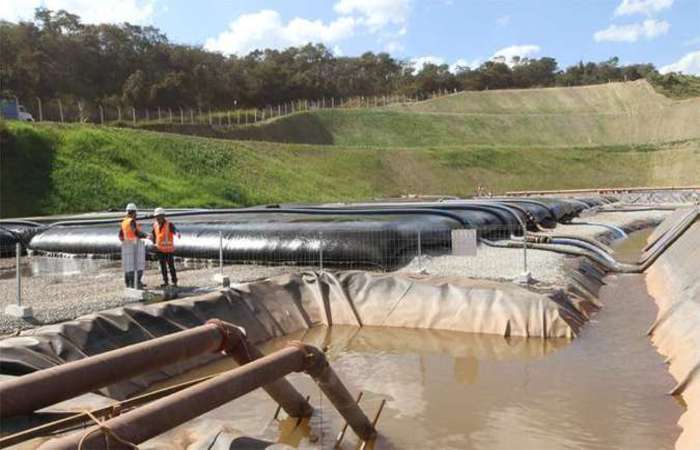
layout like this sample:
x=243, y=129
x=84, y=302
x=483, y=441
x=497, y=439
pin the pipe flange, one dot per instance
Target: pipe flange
x=232, y=337
x=315, y=361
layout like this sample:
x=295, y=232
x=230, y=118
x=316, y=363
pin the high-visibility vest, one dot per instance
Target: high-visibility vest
x=127, y=232
x=164, y=237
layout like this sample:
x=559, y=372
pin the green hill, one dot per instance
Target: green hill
x=48, y=169
x=612, y=114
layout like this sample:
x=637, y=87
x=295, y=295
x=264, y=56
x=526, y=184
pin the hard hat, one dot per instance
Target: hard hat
x=131, y=207
x=159, y=212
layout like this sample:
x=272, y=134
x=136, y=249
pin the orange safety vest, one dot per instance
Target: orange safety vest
x=127, y=233
x=164, y=237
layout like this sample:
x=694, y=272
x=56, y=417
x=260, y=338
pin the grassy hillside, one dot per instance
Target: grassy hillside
x=52, y=169
x=603, y=98
x=612, y=114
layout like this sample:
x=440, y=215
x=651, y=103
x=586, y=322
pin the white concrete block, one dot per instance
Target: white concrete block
x=21, y=312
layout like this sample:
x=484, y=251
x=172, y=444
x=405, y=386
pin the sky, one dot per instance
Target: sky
x=454, y=32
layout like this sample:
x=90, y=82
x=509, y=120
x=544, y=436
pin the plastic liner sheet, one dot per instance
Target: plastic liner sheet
x=674, y=283
x=295, y=302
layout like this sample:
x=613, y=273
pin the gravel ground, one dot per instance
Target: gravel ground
x=55, y=297
x=66, y=288
x=547, y=268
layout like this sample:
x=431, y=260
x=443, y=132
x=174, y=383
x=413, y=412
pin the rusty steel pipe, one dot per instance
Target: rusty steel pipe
x=236, y=345
x=46, y=387
x=333, y=388
x=155, y=418
x=150, y=420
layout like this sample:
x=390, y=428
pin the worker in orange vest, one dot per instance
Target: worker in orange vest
x=163, y=235
x=133, y=251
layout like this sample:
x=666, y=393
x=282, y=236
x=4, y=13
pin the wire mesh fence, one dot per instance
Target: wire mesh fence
x=61, y=286
x=110, y=113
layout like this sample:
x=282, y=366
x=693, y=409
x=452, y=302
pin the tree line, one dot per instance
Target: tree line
x=57, y=56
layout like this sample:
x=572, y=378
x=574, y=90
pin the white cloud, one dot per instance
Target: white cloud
x=649, y=29
x=647, y=7
x=376, y=14
x=688, y=64
x=394, y=47
x=420, y=62
x=503, y=21
x=508, y=53
x=692, y=42
x=455, y=66
x=265, y=29
x=90, y=11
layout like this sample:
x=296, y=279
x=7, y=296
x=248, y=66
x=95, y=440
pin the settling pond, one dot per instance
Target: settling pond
x=604, y=390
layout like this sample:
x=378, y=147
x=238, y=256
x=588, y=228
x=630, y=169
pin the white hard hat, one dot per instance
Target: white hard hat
x=159, y=212
x=131, y=207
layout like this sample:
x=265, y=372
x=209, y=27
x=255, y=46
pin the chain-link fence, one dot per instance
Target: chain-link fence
x=59, y=286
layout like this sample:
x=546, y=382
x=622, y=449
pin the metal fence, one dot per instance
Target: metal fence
x=82, y=111
x=59, y=287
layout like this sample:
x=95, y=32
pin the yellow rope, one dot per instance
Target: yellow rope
x=104, y=429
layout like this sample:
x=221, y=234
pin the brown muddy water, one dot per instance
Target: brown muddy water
x=604, y=390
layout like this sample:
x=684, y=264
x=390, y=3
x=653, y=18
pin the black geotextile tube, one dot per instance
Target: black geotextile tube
x=12, y=232
x=293, y=235
x=368, y=242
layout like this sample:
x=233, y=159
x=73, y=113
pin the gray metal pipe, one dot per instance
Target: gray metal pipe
x=46, y=387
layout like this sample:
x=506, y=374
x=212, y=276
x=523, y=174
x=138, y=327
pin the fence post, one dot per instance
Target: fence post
x=148, y=116
x=526, y=276
x=18, y=273
x=221, y=254
x=210, y=122
x=182, y=115
x=170, y=113
x=159, y=118
x=525, y=249
x=320, y=251
x=60, y=109
x=41, y=111
x=133, y=115
x=420, y=253
x=191, y=116
x=279, y=110
x=17, y=310
x=102, y=115
x=228, y=117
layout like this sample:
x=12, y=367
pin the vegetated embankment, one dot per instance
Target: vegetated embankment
x=50, y=169
x=612, y=114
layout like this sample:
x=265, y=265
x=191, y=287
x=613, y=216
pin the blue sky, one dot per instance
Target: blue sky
x=467, y=32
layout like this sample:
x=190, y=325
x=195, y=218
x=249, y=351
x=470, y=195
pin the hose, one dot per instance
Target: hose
x=30, y=223
x=621, y=233
x=585, y=239
x=609, y=263
x=327, y=212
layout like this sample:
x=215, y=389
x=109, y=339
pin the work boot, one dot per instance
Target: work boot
x=164, y=285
